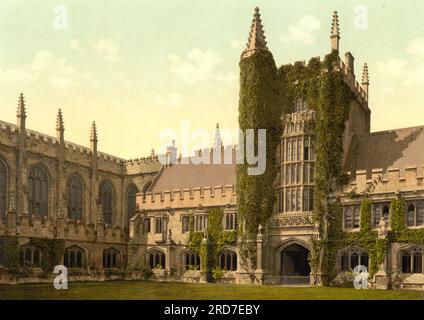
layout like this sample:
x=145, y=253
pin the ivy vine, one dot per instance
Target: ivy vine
x=216, y=239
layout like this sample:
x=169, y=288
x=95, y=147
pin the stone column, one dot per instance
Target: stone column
x=260, y=272
x=11, y=221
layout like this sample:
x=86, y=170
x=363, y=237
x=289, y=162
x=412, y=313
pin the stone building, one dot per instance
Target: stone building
x=134, y=219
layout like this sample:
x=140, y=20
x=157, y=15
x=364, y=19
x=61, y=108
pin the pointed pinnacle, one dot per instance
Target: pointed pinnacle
x=93, y=135
x=335, y=30
x=256, y=40
x=365, y=76
x=60, y=125
x=21, y=112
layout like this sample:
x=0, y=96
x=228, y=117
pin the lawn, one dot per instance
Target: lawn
x=165, y=290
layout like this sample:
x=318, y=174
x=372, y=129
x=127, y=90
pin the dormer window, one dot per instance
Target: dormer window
x=300, y=105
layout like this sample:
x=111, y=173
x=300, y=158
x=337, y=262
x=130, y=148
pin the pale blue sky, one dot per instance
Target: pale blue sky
x=139, y=67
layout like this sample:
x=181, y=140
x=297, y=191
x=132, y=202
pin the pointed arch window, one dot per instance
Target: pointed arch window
x=106, y=201
x=111, y=258
x=38, y=192
x=30, y=256
x=75, y=195
x=156, y=259
x=74, y=257
x=191, y=261
x=3, y=189
x=415, y=213
x=412, y=260
x=228, y=260
x=131, y=202
x=146, y=188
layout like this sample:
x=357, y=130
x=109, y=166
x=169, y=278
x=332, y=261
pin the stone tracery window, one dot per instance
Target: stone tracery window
x=411, y=260
x=352, y=257
x=191, y=261
x=415, y=213
x=75, y=197
x=230, y=221
x=380, y=210
x=74, y=257
x=3, y=189
x=131, y=202
x=38, y=192
x=111, y=258
x=106, y=201
x=30, y=256
x=200, y=222
x=228, y=260
x=156, y=259
x=351, y=216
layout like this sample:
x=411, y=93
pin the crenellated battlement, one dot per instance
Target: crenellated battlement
x=350, y=80
x=187, y=198
x=141, y=161
x=386, y=181
x=35, y=138
x=62, y=229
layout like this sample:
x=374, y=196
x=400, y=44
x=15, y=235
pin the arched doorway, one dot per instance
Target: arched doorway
x=295, y=267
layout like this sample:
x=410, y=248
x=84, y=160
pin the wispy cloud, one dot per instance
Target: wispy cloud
x=45, y=67
x=106, y=49
x=406, y=72
x=303, y=31
x=197, y=66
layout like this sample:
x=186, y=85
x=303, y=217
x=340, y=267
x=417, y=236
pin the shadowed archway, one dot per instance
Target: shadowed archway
x=295, y=267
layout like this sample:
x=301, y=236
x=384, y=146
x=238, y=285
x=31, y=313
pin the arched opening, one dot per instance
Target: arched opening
x=191, y=261
x=156, y=259
x=74, y=257
x=111, y=258
x=75, y=194
x=30, y=256
x=228, y=260
x=294, y=264
x=146, y=188
x=411, y=215
x=38, y=192
x=131, y=202
x=106, y=201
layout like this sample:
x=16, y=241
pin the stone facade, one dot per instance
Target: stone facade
x=130, y=219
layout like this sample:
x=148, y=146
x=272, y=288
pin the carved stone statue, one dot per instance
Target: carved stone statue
x=382, y=228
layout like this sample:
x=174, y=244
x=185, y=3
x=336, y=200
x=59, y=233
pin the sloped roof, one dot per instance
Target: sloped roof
x=182, y=176
x=399, y=148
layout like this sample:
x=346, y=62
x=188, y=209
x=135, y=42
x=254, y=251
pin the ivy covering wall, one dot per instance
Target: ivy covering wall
x=399, y=231
x=216, y=240
x=52, y=253
x=260, y=107
x=9, y=253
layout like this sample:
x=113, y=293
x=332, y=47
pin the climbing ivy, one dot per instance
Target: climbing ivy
x=338, y=239
x=53, y=251
x=9, y=253
x=259, y=108
x=216, y=239
x=399, y=232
